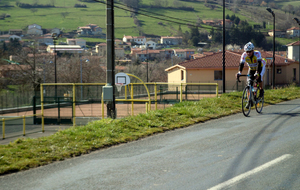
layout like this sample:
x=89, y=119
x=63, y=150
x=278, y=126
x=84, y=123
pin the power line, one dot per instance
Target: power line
x=159, y=18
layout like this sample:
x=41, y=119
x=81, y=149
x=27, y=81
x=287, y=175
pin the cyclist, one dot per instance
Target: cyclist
x=256, y=65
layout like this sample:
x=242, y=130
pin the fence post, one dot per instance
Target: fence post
x=217, y=89
x=155, y=92
x=186, y=86
x=180, y=92
x=3, y=128
x=58, y=110
x=42, y=107
x=237, y=85
x=34, y=109
x=24, y=124
x=74, y=105
x=132, y=108
x=102, y=106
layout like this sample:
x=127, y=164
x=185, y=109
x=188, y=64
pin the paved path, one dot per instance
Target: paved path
x=234, y=152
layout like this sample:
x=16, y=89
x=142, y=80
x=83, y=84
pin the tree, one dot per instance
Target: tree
x=64, y=14
x=232, y=17
x=179, y=32
x=195, y=40
x=237, y=20
x=34, y=11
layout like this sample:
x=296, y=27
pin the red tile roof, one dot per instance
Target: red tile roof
x=294, y=43
x=232, y=60
x=213, y=61
x=293, y=28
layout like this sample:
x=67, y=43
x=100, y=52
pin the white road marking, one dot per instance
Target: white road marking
x=251, y=172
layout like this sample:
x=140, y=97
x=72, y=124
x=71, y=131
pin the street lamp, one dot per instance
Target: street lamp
x=273, y=60
x=147, y=60
x=296, y=19
x=55, y=37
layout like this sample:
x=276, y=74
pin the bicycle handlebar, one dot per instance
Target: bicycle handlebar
x=238, y=77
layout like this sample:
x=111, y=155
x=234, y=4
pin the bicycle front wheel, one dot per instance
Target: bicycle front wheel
x=246, y=103
x=259, y=104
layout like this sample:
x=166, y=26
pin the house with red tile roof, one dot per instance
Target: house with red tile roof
x=171, y=40
x=278, y=33
x=136, y=39
x=101, y=50
x=208, y=69
x=293, y=32
x=184, y=53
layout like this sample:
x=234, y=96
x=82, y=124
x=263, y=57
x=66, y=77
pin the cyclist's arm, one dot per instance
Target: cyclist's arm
x=259, y=68
x=241, y=67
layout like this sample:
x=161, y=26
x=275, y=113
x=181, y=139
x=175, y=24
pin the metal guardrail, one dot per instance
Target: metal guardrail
x=24, y=123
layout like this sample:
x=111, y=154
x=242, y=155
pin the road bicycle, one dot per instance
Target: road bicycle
x=251, y=97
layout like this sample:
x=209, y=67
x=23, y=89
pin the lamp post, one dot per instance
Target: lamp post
x=273, y=60
x=54, y=36
x=147, y=60
x=296, y=19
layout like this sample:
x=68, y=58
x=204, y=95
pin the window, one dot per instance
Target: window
x=182, y=75
x=278, y=71
x=218, y=75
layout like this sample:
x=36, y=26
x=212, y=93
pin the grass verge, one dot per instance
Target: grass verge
x=23, y=154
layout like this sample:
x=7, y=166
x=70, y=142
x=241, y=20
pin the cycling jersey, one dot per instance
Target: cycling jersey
x=252, y=63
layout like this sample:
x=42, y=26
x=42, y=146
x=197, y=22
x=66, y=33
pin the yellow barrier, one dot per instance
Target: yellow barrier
x=24, y=123
x=130, y=88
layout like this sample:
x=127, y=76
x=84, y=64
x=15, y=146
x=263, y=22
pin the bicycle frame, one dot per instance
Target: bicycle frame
x=251, y=97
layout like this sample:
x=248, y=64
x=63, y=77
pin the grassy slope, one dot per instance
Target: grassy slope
x=95, y=13
x=28, y=153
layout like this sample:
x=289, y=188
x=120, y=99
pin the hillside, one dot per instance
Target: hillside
x=172, y=13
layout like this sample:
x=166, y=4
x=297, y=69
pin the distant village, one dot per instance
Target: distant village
x=142, y=49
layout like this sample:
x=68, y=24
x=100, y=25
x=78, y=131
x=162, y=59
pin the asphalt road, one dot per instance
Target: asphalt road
x=234, y=152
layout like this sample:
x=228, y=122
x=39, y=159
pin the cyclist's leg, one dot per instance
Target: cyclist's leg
x=261, y=92
x=250, y=79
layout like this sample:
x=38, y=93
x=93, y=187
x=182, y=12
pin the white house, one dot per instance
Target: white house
x=150, y=44
x=170, y=40
x=64, y=49
x=78, y=41
x=34, y=29
x=136, y=39
x=184, y=53
x=34, y=26
x=55, y=30
x=45, y=39
x=293, y=50
x=293, y=32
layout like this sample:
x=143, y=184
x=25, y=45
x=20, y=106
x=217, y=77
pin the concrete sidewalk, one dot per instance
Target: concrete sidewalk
x=35, y=133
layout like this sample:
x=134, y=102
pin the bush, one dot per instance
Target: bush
x=80, y=6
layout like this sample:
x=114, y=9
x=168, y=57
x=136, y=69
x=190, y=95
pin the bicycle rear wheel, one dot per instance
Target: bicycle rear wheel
x=259, y=104
x=246, y=103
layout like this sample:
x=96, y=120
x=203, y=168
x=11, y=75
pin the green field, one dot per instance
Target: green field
x=95, y=13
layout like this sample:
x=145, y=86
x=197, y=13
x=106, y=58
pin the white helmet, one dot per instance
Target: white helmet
x=249, y=47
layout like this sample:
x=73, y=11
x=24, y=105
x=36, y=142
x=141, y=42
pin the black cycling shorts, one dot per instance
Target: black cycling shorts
x=251, y=73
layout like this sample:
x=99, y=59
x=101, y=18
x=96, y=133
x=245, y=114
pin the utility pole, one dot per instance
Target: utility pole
x=110, y=56
x=223, y=70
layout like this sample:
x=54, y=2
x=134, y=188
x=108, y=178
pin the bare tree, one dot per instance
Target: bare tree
x=64, y=14
x=34, y=11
